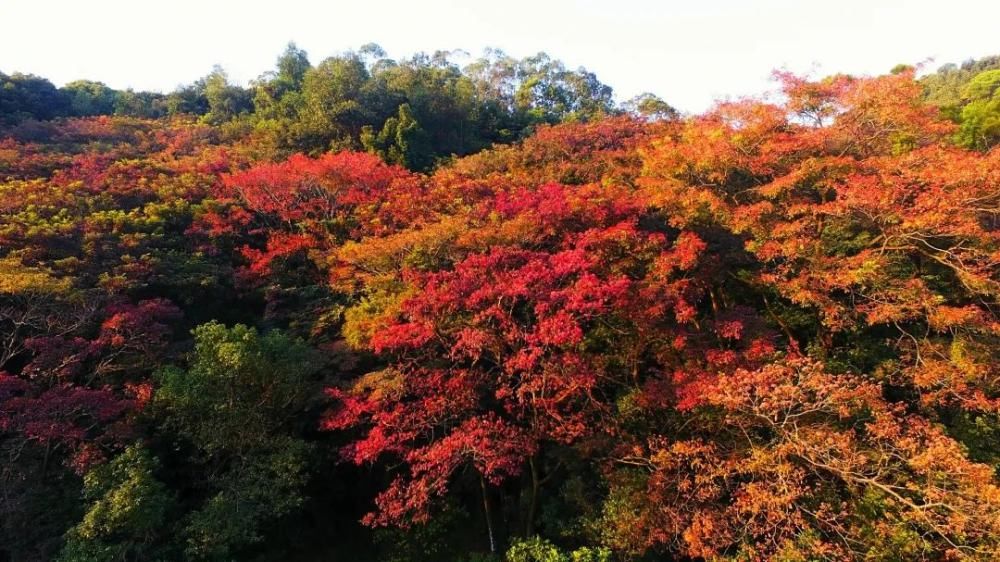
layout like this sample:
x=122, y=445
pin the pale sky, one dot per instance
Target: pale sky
x=689, y=53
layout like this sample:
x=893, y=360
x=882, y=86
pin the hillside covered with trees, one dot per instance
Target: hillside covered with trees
x=409, y=311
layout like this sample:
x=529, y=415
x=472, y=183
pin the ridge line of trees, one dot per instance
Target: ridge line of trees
x=415, y=111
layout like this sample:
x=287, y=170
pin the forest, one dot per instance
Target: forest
x=413, y=311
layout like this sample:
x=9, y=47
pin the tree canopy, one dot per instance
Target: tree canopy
x=376, y=309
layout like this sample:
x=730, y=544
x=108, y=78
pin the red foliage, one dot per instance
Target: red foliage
x=350, y=194
x=64, y=415
x=520, y=332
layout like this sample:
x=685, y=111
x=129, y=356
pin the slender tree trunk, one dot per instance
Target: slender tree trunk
x=489, y=515
x=529, y=522
x=45, y=459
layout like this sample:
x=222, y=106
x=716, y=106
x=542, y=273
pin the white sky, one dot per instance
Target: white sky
x=689, y=53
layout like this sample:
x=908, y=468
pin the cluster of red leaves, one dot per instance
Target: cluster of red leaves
x=22, y=160
x=305, y=203
x=65, y=415
x=76, y=392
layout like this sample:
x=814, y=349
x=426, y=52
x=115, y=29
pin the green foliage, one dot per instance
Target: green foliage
x=537, y=549
x=25, y=96
x=550, y=93
x=240, y=388
x=237, y=404
x=140, y=104
x=188, y=99
x=418, y=110
x=967, y=94
x=980, y=118
x=128, y=512
x=225, y=101
x=651, y=107
x=401, y=141
x=251, y=493
x=292, y=67
x=89, y=98
x=333, y=104
x=944, y=87
x=980, y=433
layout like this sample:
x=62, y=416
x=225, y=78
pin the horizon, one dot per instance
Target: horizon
x=744, y=43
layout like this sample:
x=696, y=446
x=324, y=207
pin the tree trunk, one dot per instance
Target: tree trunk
x=529, y=520
x=489, y=515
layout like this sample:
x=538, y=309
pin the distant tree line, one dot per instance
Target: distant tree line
x=413, y=112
